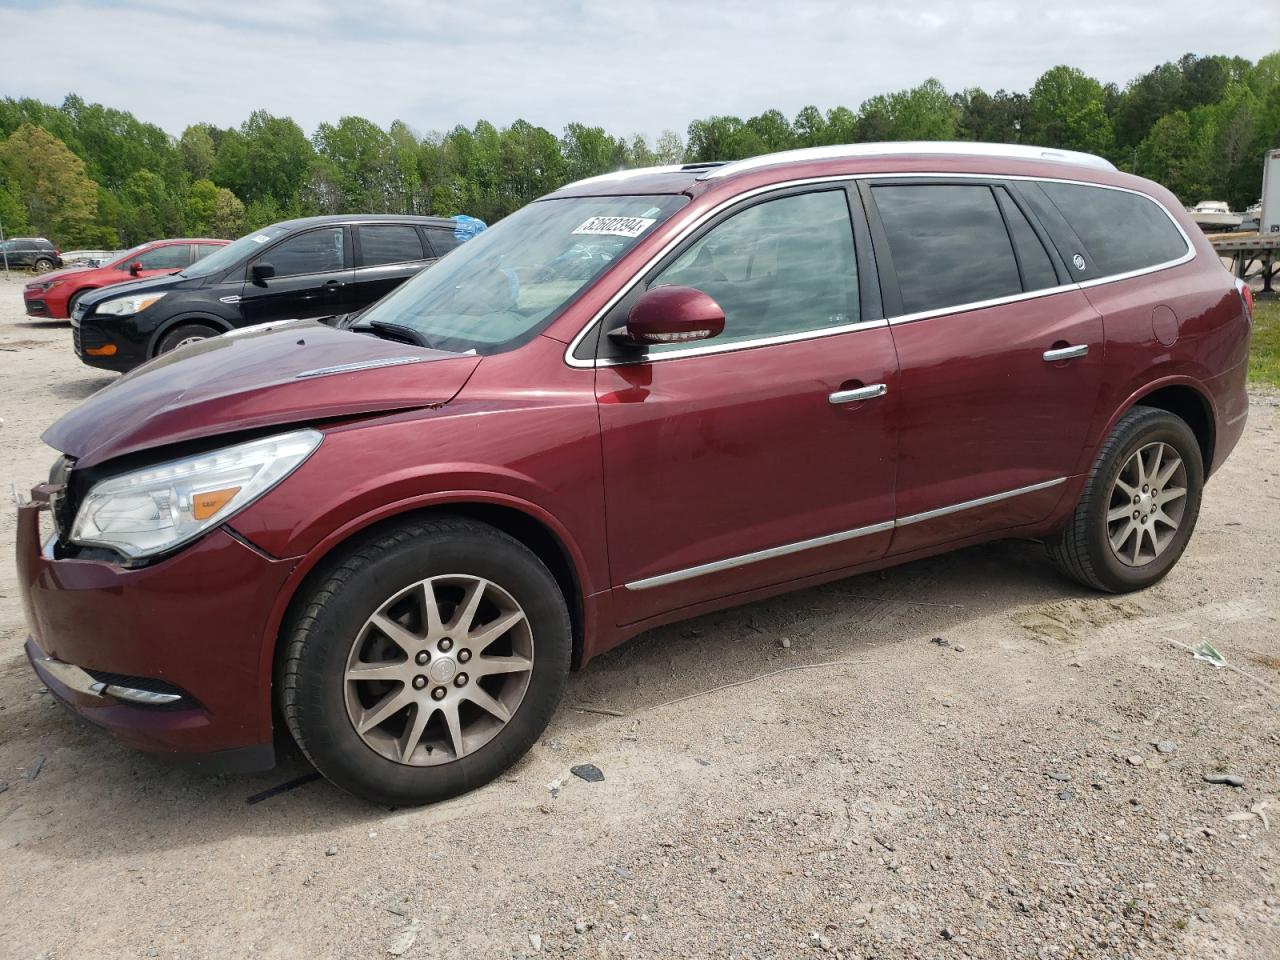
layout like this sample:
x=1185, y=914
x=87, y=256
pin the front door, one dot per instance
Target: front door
x=766, y=454
x=1001, y=356
x=313, y=276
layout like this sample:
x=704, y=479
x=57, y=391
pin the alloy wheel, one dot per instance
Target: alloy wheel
x=438, y=670
x=1147, y=503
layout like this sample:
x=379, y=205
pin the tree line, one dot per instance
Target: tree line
x=86, y=175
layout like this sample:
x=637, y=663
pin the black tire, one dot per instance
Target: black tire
x=42, y=265
x=319, y=634
x=183, y=333
x=74, y=299
x=1082, y=550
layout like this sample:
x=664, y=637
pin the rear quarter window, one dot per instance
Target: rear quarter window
x=1121, y=231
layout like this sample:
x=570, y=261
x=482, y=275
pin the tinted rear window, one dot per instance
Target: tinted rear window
x=949, y=244
x=442, y=239
x=389, y=243
x=1121, y=231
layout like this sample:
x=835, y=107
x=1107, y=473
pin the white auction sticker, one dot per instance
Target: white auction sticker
x=260, y=238
x=616, y=226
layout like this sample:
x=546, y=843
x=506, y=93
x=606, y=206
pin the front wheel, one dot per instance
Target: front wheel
x=184, y=334
x=425, y=661
x=1139, y=505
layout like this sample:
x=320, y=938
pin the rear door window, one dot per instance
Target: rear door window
x=1121, y=231
x=1033, y=259
x=780, y=267
x=389, y=243
x=442, y=240
x=316, y=251
x=949, y=244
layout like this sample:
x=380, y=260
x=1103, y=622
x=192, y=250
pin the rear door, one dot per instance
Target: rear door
x=313, y=277
x=765, y=455
x=387, y=254
x=1001, y=357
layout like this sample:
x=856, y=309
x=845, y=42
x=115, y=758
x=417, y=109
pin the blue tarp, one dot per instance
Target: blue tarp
x=466, y=227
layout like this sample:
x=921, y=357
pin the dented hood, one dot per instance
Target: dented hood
x=282, y=373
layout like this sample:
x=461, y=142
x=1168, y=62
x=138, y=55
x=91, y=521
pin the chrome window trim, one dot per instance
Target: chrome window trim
x=699, y=221
x=730, y=563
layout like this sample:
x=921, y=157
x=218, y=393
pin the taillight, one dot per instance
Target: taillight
x=1246, y=294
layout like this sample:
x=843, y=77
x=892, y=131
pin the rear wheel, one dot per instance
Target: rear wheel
x=184, y=334
x=426, y=661
x=1139, y=506
x=42, y=265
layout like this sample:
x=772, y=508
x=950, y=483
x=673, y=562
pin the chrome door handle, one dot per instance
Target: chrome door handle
x=859, y=393
x=1066, y=353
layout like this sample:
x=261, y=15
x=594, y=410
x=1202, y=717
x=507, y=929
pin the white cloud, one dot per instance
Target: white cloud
x=643, y=65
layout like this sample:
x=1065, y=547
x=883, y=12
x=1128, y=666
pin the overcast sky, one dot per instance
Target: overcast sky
x=632, y=66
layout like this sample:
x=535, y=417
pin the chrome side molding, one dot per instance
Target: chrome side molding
x=771, y=553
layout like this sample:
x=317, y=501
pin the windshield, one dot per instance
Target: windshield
x=233, y=253
x=122, y=257
x=497, y=291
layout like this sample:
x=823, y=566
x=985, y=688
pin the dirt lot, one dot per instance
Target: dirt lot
x=1001, y=794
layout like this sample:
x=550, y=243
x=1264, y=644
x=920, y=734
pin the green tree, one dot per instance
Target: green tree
x=198, y=150
x=266, y=159
x=50, y=182
x=1068, y=110
x=669, y=147
x=150, y=210
x=589, y=151
x=926, y=112
x=213, y=211
x=361, y=158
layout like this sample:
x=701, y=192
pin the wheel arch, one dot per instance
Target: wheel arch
x=207, y=318
x=1184, y=398
x=1190, y=405
x=517, y=519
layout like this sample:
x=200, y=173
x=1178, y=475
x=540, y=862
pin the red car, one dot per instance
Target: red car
x=644, y=397
x=54, y=294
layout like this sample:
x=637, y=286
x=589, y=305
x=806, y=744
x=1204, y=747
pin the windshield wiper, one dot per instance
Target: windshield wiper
x=396, y=330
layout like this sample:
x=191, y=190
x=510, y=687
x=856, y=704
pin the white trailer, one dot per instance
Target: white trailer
x=1269, y=218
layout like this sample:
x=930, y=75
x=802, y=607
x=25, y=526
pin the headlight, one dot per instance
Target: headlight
x=126, y=306
x=158, y=508
x=41, y=286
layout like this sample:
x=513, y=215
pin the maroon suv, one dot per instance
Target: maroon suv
x=646, y=396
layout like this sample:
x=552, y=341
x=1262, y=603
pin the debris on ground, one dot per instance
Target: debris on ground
x=1226, y=779
x=553, y=786
x=33, y=771
x=1206, y=652
x=1166, y=746
x=941, y=641
x=331, y=852
x=405, y=939
x=1136, y=760
x=588, y=772
x=535, y=941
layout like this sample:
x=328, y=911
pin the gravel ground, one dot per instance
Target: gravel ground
x=1031, y=786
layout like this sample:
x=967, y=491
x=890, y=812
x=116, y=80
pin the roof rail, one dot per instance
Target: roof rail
x=944, y=148
x=626, y=174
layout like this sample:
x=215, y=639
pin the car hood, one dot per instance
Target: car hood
x=275, y=374
x=61, y=274
x=164, y=282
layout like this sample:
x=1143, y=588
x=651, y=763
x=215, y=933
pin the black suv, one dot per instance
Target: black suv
x=30, y=253
x=308, y=268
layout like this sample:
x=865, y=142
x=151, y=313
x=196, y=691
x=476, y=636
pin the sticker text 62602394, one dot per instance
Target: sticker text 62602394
x=616, y=226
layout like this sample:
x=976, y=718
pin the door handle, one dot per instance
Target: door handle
x=1066, y=353
x=869, y=392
